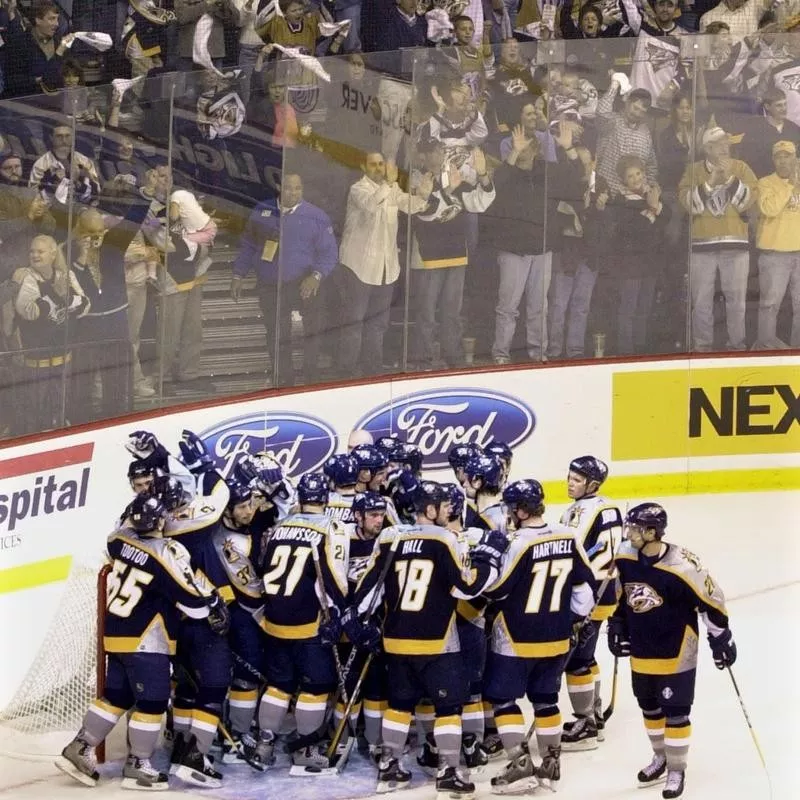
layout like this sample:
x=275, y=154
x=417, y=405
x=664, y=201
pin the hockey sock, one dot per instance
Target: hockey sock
x=273, y=708
x=99, y=721
x=143, y=732
x=373, y=719
x=510, y=725
x=242, y=704
x=472, y=717
x=580, y=685
x=447, y=733
x=181, y=720
x=598, y=698
x=309, y=712
x=204, y=728
x=548, y=726
x=654, y=722
x=425, y=715
x=394, y=730
x=489, y=724
x=677, y=733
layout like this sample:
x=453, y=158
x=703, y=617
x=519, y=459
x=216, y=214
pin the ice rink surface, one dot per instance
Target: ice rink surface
x=750, y=542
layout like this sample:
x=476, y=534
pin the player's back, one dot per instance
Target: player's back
x=150, y=584
x=534, y=594
x=291, y=599
x=340, y=507
x=421, y=591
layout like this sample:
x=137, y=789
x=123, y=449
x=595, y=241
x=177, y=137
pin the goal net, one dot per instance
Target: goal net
x=48, y=707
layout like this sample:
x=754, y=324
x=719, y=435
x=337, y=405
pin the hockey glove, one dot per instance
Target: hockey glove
x=219, y=618
x=141, y=444
x=723, y=649
x=194, y=453
x=331, y=631
x=582, y=632
x=366, y=635
x=619, y=640
x=489, y=549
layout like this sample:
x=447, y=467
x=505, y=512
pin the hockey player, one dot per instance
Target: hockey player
x=597, y=524
x=373, y=476
x=664, y=586
x=140, y=476
x=458, y=457
x=544, y=590
x=342, y=473
x=150, y=582
x=504, y=453
x=150, y=454
x=483, y=483
x=298, y=643
x=420, y=591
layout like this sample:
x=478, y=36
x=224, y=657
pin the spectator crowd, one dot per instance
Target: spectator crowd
x=631, y=185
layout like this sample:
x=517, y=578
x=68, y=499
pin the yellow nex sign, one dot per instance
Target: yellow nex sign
x=706, y=412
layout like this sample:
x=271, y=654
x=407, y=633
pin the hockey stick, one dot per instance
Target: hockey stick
x=752, y=730
x=610, y=710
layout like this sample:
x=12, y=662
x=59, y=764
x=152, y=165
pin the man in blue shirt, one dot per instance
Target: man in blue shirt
x=291, y=247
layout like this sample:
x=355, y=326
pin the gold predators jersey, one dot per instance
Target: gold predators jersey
x=545, y=579
x=150, y=584
x=660, y=601
x=597, y=524
x=291, y=592
x=425, y=580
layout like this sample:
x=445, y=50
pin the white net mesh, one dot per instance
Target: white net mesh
x=48, y=707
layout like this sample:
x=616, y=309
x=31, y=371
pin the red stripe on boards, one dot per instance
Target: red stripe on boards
x=46, y=460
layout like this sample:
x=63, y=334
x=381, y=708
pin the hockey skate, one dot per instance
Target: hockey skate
x=474, y=756
x=263, y=756
x=492, y=745
x=654, y=771
x=676, y=780
x=451, y=785
x=139, y=773
x=580, y=734
x=195, y=768
x=599, y=720
x=428, y=757
x=178, y=749
x=311, y=758
x=549, y=771
x=391, y=775
x=78, y=761
x=519, y=775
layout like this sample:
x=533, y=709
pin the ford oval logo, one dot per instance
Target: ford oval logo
x=439, y=419
x=300, y=442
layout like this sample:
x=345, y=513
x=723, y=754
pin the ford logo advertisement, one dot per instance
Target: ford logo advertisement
x=300, y=442
x=439, y=419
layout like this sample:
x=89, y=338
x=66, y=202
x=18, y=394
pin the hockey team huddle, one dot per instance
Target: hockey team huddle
x=367, y=596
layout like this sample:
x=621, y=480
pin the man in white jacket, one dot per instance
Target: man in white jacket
x=368, y=252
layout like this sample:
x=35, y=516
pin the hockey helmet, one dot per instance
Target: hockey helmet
x=489, y=468
x=593, y=469
x=527, y=494
x=168, y=490
x=144, y=512
x=369, y=501
x=239, y=492
x=428, y=493
x=312, y=489
x=369, y=457
x=647, y=515
x=341, y=470
x=456, y=497
x=407, y=454
x=501, y=450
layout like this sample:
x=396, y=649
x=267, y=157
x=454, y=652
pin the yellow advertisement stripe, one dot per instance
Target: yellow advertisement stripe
x=14, y=579
x=661, y=484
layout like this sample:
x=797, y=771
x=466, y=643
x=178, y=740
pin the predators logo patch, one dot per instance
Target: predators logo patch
x=642, y=597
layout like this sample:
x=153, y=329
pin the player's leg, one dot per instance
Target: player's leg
x=315, y=663
x=78, y=758
x=678, y=695
x=148, y=675
x=645, y=689
x=581, y=672
x=504, y=682
x=375, y=704
x=281, y=686
x=473, y=653
x=544, y=683
x=246, y=641
x=404, y=693
x=211, y=668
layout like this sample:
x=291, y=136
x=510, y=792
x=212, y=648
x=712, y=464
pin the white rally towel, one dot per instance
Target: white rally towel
x=99, y=41
x=202, y=33
x=309, y=62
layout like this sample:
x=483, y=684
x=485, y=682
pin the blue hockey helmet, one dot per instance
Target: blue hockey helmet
x=646, y=516
x=369, y=501
x=144, y=512
x=456, y=497
x=387, y=444
x=312, y=489
x=501, y=450
x=428, y=493
x=593, y=469
x=140, y=469
x=489, y=469
x=369, y=457
x=169, y=490
x=461, y=453
x=527, y=494
x=407, y=454
x=239, y=492
x=342, y=470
